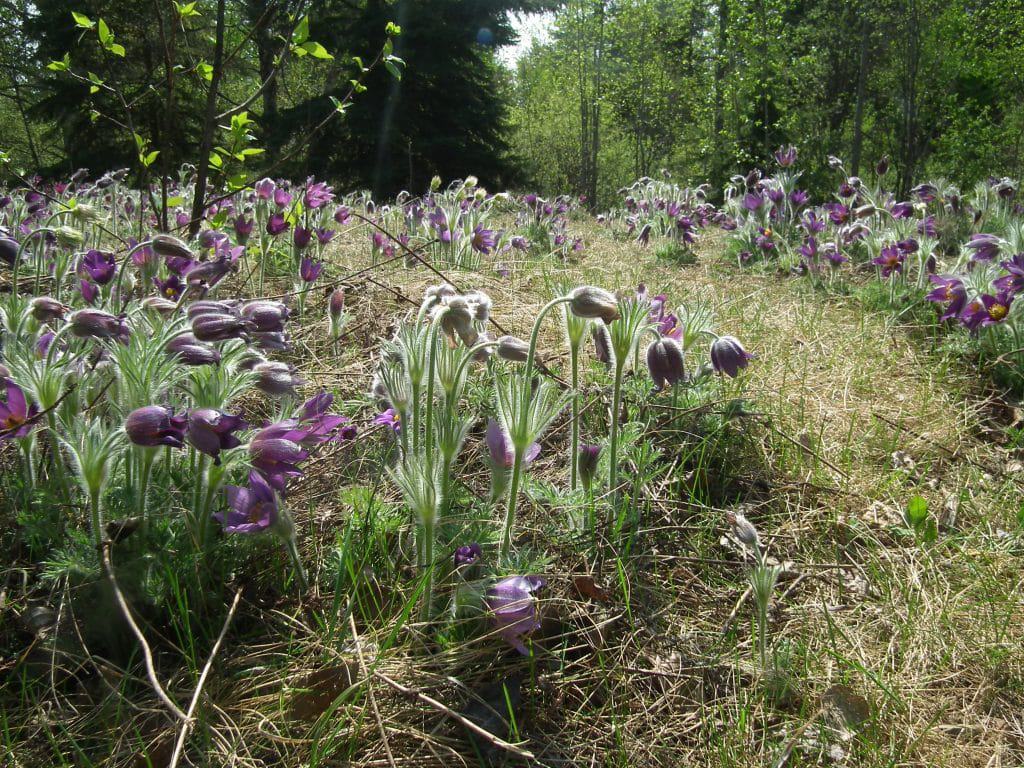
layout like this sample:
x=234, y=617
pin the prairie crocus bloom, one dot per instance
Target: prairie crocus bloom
x=99, y=266
x=520, y=243
x=210, y=431
x=926, y=193
x=882, y=166
x=949, y=290
x=282, y=198
x=798, y=198
x=592, y=303
x=8, y=250
x=902, y=210
x=499, y=448
x=168, y=246
x=764, y=239
x=728, y=356
x=15, y=413
x=391, y=419
x=342, y=214
x=45, y=309
x=665, y=362
x=835, y=256
x=786, y=156
x=987, y=310
x=809, y=251
x=812, y=223
x=602, y=344
x=586, y=462
x=483, y=239
x=250, y=510
x=324, y=236
x=752, y=201
x=984, y=247
x=467, y=554
x=890, y=260
x=276, y=225
x=265, y=189
x=94, y=323
x=838, y=213
x=243, y=228
x=309, y=270
x=190, y=351
x=927, y=227
x=171, y=288
x=318, y=195
x=89, y=291
x=265, y=316
x=513, y=609
x=153, y=425
x=276, y=458
x=219, y=327
x=302, y=237
x=321, y=426
x=1014, y=281
x=644, y=237
x=776, y=195
x=513, y=349
x=276, y=378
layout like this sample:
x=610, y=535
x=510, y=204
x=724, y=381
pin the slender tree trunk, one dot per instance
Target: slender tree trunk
x=209, y=126
x=24, y=117
x=721, y=47
x=858, y=114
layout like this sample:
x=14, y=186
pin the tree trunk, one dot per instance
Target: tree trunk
x=858, y=114
x=209, y=126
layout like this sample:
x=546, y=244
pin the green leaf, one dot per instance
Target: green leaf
x=60, y=66
x=388, y=48
x=392, y=29
x=205, y=70
x=106, y=36
x=82, y=21
x=117, y=49
x=316, y=50
x=391, y=67
x=301, y=33
x=215, y=161
x=176, y=200
x=238, y=181
x=917, y=512
x=149, y=159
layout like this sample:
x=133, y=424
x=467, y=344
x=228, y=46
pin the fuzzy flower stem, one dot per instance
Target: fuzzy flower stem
x=613, y=430
x=520, y=450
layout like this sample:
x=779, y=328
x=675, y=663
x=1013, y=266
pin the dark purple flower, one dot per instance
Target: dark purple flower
x=902, y=210
x=1014, y=281
x=243, y=228
x=210, y=431
x=987, y=310
x=171, y=288
x=282, y=198
x=467, y=554
x=276, y=225
x=275, y=378
x=882, y=166
x=277, y=458
x=309, y=270
x=500, y=450
x=728, y=356
x=483, y=239
x=154, y=425
x=798, y=198
x=785, y=156
x=46, y=309
x=949, y=290
x=926, y=226
x=94, y=323
x=513, y=608
x=190, y=351
x=665, y=362
x=985, y=247
x=265, y=316
x=926, y=193
x=250, y=510
x=15, y=412
x=89, y=291
x=336, y=303
x=586, y=463
x=265, y=189
x=324, y=236
x=302, y=237
x=342, y=214
x=8, y=250
x=219, y=327
x=99, y=266
x=752, y=201
x=890, y=260
x=644, y=237
x=321, y=426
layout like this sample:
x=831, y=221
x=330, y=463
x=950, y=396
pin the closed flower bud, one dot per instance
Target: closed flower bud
x=728, y=356
x=336, y=303
x=744, y=530
x=586, y=462
x=46, y=309
x=170, y=246
x=190, y=351
x=218, y=327
x=159, y=304
x=864, y=211
x=275, y=378
x=265, y=316
x=69, y=237
x=513, y=348
x=86, y=214
x=8, y=250
x=594, y=303
x=94, y=323
x=665, y=362
x=154, y=425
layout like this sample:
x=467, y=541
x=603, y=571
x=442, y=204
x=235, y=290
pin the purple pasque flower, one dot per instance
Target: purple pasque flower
x=265, y=316
x=1014, y=281
x=390, y=418
x=987, y=310
x=812, y=223
x=838, y=213
x=97, y=324
x=276, y=225
x=752, y=201
x=467, y=554
x=890, y=260
x=276, y=458
x=786, y=156
x=483, y=239
x=665, y=362
x=190, y=351
x=243, y=228
x=926, y=227
x=835, y=256
x=324, y=235
x=500, y=450
x=318, y=194
x=926, y=193
x=342, y=214
x=809, y=250
x=513, y=609
x=949, y=290
x=282, y=198
x=265, y=189
x=764, y=239
x=99, y=266
x=8, y=250
x=985, y=247
x=250, y=510
x=320, y=426
x=728, y=356
x=309, y=270
x=302, y=237
x=89, y=291
x=171, y=288
x=275, y=378
x=799, y=198
x=141, y=257
x=902, y=210
x=154, y=425
x=587, y=459
x=211, y=431
x=217, y=326
x=15, y=413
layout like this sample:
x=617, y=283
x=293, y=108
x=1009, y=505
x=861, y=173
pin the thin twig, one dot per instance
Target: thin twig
x=483, y=733
x=146, y=652
x=187, y=725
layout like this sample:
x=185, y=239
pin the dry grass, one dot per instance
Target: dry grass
x=659, y=667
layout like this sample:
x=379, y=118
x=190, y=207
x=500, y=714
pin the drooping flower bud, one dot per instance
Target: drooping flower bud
x=665, y=362
x=513, y=608
x=153, y=425
x=728, y=356
x=169, y=246
x=46, y=309
x=512, y=348
x=594, y=303
x=94, y=323
x=586, y=463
